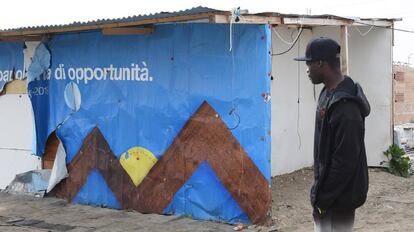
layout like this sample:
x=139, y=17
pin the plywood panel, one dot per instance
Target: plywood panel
x=48, y=158
x=16, y=125
x=293, y=96
x=13, y=162
x=16, y=87
x=293, y=105
x=16, y=130
x=205, y=137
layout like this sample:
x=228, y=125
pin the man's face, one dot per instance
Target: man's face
x=315, y=71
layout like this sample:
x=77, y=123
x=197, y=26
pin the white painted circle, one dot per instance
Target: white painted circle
x=72, y=96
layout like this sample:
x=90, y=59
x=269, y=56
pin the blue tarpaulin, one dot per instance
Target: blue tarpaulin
x=140, y=90
x=11, y=62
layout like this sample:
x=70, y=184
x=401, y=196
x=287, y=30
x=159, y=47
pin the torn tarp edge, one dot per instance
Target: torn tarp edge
x=59, y=170
x=40, y=63
x=38, y=66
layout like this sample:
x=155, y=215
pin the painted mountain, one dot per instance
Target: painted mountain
x=205, y=143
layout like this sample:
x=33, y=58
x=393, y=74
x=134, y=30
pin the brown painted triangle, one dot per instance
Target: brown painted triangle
x=204, y=137
x=95, y=154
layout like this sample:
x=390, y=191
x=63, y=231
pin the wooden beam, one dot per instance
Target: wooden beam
x=316, y=21
x=344, y=50
x=127, y=31
x=379, y=23
x=292, y=26
x=103, y=26
x=246, y=19
x=20, y=38
x=392, y=35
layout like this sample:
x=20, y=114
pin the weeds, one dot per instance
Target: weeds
x=398, y=162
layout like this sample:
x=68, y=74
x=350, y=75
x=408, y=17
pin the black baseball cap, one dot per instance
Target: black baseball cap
x=321, y=48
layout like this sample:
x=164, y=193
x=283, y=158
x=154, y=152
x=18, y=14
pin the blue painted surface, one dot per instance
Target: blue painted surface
x=96, y=192
x=186, y=63
x=203, y=196
x=11, y=62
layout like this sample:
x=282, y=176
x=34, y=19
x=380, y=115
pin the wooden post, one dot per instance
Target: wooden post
x=344, y=50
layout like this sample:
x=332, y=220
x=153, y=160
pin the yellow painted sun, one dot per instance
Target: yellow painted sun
x=137, y=162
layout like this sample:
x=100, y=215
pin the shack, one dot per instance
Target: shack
x=189, y=112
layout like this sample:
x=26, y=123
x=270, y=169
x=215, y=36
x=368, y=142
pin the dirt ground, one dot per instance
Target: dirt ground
x=389, y=207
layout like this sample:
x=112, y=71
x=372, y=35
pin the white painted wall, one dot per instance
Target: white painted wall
x=16, y=127
x=370, y=64
x=292, y=123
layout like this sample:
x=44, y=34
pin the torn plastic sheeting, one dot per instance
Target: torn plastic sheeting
x=159, y=108
x=11, y=62
x=32, y=183
x=141, y=90
x=40, y=63
x=59, y=170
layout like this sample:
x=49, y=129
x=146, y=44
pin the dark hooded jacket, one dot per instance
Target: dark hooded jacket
x=341, y=173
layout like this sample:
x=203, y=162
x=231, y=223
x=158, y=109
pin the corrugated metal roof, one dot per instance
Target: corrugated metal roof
x=192, y=11
x=152, y=18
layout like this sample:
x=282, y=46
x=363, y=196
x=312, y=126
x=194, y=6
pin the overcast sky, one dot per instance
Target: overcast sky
x=17, y=13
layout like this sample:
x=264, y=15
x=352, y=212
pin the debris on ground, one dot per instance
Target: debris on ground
x=33, y=183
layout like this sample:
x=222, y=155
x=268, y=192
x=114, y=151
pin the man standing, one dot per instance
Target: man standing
x=340, y=163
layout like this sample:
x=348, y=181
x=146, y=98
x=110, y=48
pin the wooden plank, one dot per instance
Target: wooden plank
x=20, y=38
x=49, y=156
x=15, y=87
x=247, y=19
x=127, y=31
x=292, y=26
x=107, y=25
x=344, y=50
x=393, y=37
x=316, y=21
x=211, y=17
x=379, y=23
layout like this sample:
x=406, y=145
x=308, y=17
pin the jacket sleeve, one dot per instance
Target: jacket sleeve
x=347, y=128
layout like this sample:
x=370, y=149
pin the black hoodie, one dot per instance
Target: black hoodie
x=341, y=173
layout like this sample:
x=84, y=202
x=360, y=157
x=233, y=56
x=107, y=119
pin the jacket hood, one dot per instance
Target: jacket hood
x=349, y=90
